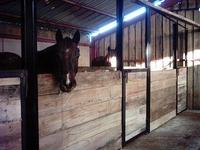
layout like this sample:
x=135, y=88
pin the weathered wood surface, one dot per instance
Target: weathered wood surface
x=87, y=117
x=10, y=114
x=92, y=110
x=182, y=89
x=196, y=101
x=135, y=104
x=90, y=116
x=163, y=96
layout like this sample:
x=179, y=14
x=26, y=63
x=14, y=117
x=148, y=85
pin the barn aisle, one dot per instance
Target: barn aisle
x=181, y=133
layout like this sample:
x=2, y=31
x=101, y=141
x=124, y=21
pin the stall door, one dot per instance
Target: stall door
x=135, y=120
x=181, y=89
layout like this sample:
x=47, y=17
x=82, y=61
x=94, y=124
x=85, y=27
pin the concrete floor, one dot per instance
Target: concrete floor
x=180, y=133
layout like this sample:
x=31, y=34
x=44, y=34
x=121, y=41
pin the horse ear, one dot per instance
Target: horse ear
x=76, y=38
x=59, y=36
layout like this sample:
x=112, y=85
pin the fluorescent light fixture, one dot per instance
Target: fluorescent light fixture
x=134, y=14
x=199, y=9
x=127, y=17
x=158, y=2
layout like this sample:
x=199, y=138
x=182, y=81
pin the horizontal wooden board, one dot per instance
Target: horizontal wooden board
x=84, y=135
x=9, y=93
x=9, y=81
x=85, y=80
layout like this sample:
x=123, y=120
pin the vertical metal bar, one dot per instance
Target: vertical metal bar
x=175, y=45
x=186, y=65
x=148, y=65
x=29, y=51
x=119, y=47
x=186, y=47
x=123, y=105
x=119, y=35
x=193, y=63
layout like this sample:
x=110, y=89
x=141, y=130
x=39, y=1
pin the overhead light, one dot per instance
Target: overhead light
x=127, y=18
x=158, y=2
x=134, y=14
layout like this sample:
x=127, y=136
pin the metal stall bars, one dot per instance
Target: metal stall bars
x=30, y=131
x=119, y=47
x=147, y=69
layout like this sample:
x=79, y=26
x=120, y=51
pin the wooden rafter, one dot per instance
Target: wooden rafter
x=167, y=12
x=89, y=8
x=47, y=22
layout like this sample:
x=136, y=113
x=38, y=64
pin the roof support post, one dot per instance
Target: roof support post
x=148, y=65
x=30, y=137
x=119, y=35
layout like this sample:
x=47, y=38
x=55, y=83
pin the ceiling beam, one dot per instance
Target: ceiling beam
x=15, y=18
x=90, y=8
x=167, y=12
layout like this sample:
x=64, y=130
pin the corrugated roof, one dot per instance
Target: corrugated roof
x=61, y=12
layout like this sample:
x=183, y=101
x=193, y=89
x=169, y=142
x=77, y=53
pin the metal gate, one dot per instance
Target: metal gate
x=135, y=114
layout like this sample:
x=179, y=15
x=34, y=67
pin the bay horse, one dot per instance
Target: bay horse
x=59, y=59
x=104, y=60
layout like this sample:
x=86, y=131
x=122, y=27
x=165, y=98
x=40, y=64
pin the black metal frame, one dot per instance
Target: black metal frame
x=125, y=72
x=148, y=67
x=29, y=52
x=23, y=94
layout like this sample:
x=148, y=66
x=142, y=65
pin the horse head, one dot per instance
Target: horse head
x=66, y=59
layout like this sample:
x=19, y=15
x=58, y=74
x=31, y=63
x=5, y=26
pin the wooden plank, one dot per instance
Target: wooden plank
x=153, y=41
x=102, y=47
x=132, y=45
x=166, y=44
x=96, y=54
x=196, y=104
x=9, y=81
x=10, y=114
x=9, y=93
x=107, y=44
x=10, y=137
x=84, y=114
x=85, y=80
x=10, y=111
x=125, y=45
x=113, y=41
x=190, y=88
x=196, y=63
x=181, y=42
x=138, y=44
x=83, y=134
x=163, y=75
x=135, y=121
x=182, y=89
x=169, y=13
x=159, y=42
x=163, y=96
x=155, y=124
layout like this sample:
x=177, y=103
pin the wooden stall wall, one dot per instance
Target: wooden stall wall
x=163, y=97
x=181, y=89
x=193, y=57
x=89, y=117
x=135, y=104
x=162, y=51
x=10, y=114
x=134, y=44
